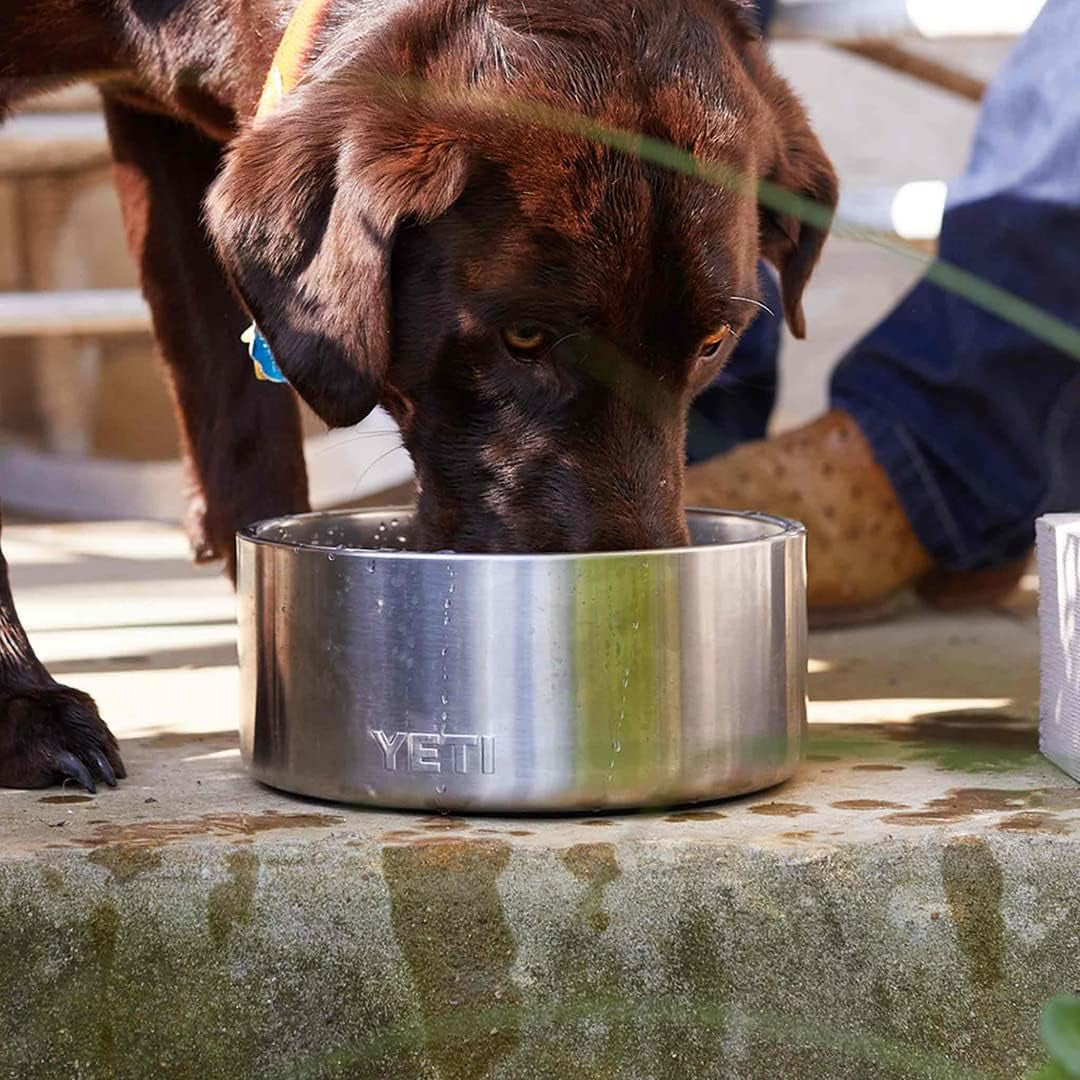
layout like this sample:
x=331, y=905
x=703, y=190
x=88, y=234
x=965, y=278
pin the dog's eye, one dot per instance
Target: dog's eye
x=524, y=341
x=711, y=345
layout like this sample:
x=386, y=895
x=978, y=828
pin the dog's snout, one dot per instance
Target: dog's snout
x=615, y=535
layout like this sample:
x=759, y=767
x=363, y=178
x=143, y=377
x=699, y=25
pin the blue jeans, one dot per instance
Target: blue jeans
x=976, y=421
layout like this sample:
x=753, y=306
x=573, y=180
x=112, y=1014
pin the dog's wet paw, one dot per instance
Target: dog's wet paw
x=51, y=734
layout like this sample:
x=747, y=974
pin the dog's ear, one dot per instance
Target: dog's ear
x=801, y=167
x=303, y=216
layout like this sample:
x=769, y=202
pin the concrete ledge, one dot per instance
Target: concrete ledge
x=902, y=909
x=245, y=934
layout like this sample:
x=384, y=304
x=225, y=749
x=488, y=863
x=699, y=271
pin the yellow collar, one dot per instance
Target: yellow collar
x=291, y=53
x=285, y=72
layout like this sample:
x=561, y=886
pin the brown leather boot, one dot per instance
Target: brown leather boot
x=861, y=549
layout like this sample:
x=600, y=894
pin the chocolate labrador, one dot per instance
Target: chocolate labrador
x=417, y=225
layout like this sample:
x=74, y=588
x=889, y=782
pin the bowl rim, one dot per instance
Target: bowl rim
x=787, y=530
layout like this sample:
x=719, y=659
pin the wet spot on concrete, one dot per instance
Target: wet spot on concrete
x=442, y=824
x=696, y=815
x=596, y=823
x=597, y=867
x=229, y=902
x=231, y=826
x=781, y=809
x=1034, y=822
x=974, y=885
x=449, y=924
x=822, y=757
x=594, y=864
x=801, y=834
x=521, y=832
x=868, y=804
x=963, y=803
x=64, y=800
x=126, y=861
x=398, y=834
x=878, y=768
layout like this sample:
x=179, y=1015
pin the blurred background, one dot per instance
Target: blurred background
x=86, y=426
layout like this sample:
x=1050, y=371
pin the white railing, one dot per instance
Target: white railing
x=841, y=20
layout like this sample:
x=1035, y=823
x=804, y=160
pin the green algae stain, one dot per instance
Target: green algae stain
x=973, y=742
x=449, y=924
x=229, y=903
x=974, y=886
x=847, y=742
x=970, y=742
x=52, y=879
x=103, y=929
x=596, y=866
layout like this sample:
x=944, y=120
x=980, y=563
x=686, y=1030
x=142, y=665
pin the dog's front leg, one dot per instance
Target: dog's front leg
x=48, y=733
x=242, y=438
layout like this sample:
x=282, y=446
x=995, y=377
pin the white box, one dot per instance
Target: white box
x=1059, y=623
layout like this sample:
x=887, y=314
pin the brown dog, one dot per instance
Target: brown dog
x=535, y=310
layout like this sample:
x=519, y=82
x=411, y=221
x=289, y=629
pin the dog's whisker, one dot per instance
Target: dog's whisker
x=562, y=341
x=350, y=439
x=381, y=457
x=756, y=303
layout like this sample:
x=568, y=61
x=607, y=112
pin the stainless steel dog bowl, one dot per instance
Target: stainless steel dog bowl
x=543, y=683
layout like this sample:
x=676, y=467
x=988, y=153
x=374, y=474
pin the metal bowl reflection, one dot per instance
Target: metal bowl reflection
x=523, y=683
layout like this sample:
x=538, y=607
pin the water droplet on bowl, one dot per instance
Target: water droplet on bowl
x=371, y=567
x=617, y=746
x=379, y=603
x=330, y=557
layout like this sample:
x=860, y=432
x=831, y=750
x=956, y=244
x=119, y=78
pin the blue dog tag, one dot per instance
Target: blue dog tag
x=266, y=368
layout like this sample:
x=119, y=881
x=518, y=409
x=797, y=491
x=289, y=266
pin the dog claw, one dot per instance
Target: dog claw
x=105, y=770
x=71, y=768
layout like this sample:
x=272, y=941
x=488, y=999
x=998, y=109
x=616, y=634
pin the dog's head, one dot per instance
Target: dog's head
x=421, y=226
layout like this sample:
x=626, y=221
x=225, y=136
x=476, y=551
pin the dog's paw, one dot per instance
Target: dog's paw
x=50, y=734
